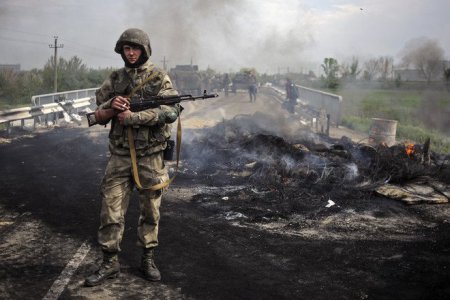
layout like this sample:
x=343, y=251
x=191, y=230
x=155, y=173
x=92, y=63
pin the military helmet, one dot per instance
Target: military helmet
x=134, y=36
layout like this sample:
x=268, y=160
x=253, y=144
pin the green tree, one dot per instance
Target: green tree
x=48, y=75
x=386, y=67
x=372, y=69
x=330, y=67
x=17, y=88
x=350, y=70
x=73, y=74
x=31, y=83
x=447, y=75
x=95, y=77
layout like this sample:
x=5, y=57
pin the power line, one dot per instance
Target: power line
x=90, y=50
x=21, y=40
x=95, y=52
x=79, y=45
x=20, y=31
x=73, y=44
x=46, y=35
x=78, y=49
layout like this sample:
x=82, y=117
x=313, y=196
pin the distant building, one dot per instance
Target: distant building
x=186, y=68
x=416, y=75
x=409, y=75
x=14, y=68
x=446, y=64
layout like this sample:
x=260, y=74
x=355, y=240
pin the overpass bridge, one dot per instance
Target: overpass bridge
x=48, y=109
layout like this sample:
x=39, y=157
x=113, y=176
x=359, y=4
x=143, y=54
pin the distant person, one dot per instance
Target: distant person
x=291, y=95
x=233, y=85
x=149, y=130
x=226, y=83
x=206, y=83
x=252, y=88
x=322, y=120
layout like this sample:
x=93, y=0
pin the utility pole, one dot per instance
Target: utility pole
x=55, y=63
x=164, y=61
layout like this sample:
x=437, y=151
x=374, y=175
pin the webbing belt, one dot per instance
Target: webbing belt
x=161, y=185
x=134, y=161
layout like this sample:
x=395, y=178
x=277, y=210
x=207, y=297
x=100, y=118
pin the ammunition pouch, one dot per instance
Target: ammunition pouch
x=168, y=152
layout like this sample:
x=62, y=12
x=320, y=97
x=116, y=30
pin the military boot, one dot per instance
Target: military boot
x=109, y=268
x=148, y=266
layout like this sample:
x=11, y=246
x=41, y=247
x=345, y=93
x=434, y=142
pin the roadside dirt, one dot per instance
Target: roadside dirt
x=224, y=234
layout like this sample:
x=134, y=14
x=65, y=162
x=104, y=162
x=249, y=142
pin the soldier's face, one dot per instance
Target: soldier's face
x=132, y=53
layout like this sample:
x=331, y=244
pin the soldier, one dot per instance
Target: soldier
x=291, y=95
x=252, y=87
x=226, y=83
x=322, y=120
x=150, y=131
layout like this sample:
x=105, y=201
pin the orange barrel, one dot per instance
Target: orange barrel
x=382, y=131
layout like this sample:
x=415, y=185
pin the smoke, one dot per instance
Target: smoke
x=224, y=35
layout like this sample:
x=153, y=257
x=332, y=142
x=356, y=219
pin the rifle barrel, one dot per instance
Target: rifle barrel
x=156, y=101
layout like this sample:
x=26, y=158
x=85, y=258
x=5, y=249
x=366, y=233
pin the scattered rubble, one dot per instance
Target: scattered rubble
x=289, y=166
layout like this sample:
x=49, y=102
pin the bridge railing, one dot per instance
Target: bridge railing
x=49, y=108
x=332, y=103
x=317, y=100
x=61, y=96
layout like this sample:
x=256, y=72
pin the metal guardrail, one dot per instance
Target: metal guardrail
x=62, y=96
x=321, y=100
x=49, y=107
x=331, y=103
x=314, y=113
x=47, y=112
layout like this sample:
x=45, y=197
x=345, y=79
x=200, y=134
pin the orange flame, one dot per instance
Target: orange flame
x=409, y=149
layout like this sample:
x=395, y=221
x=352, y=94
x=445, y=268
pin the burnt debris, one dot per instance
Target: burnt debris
x=295, y=164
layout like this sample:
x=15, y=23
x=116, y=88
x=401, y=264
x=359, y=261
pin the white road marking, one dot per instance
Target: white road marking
x=60, y=283
x=5, y=223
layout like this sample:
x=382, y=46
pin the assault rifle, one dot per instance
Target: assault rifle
x=137, y=103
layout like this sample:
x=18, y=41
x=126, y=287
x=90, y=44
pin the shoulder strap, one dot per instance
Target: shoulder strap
x=144, y=82
x=133, y=149
x=134, y=161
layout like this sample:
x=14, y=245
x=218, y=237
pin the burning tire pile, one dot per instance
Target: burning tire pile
x=302, y=165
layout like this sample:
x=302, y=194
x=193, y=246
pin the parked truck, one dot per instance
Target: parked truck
x=187, y=79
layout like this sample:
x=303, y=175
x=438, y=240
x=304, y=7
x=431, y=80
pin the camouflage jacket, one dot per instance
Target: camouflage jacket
x=149, y=128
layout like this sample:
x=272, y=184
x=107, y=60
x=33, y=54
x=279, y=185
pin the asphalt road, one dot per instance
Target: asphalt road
x=360, y=249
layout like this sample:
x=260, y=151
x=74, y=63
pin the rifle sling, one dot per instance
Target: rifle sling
x=133, y=148
x=134, y=161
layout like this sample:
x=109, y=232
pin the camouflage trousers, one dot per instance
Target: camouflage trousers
x=116, y=190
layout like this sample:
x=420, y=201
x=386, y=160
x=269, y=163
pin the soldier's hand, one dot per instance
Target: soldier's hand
x=123, y=115
x=120, y=103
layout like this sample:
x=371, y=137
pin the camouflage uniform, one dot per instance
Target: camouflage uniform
x=150, y=129
x=291, y=96
x=150, y=132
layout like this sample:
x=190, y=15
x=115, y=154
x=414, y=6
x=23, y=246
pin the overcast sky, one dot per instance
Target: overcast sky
x=224, y=35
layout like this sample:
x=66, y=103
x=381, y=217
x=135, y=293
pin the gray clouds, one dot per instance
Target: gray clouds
x=225, y=35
